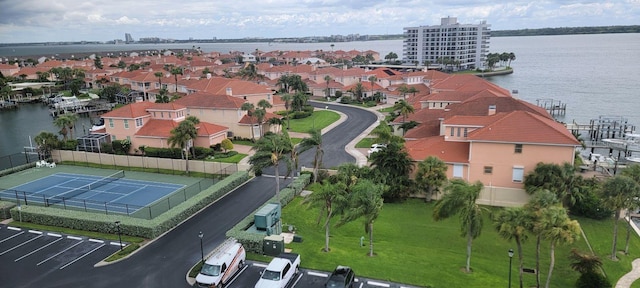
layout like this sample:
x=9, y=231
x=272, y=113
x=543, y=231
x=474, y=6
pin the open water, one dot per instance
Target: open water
x=593, y=74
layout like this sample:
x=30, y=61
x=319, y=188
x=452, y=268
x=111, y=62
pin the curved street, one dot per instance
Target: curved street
x=165, y=261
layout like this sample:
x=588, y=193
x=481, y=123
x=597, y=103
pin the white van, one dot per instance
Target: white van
x=223, y=264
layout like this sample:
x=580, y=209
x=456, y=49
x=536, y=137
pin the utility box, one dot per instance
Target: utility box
x=273, y=245
x=267, y=217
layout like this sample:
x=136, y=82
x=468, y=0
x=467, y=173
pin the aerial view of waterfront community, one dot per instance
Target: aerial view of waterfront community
x=443, y=154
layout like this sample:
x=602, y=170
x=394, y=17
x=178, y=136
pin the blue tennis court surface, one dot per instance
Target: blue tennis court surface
x=115, y=194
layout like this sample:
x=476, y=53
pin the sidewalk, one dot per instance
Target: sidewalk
x=627, y=279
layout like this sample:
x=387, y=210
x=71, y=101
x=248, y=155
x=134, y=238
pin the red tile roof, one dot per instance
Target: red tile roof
x=447, y=151
x=210, y=100
x=208, y=129
x=157, y=128
x=133, y=110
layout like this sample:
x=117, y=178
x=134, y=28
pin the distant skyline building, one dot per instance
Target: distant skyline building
x=128, y=38
x=463, y=45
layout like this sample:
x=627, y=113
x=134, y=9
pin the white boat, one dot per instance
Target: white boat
x=69, y=102
x=633, y=159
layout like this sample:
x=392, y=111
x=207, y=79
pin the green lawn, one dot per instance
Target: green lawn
x=365, y=143
x=233, y=159
x=319, y=119
x=411, y=248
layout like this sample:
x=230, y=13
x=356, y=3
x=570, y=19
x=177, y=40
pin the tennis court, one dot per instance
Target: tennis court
x=113, y=193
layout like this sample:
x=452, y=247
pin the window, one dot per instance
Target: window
x=224, y=267
x=113, y=138
x=161, y=114
x=457, y=170
x=129, y=138
x=458, y=134
x=452, y=129
x=488, y=169
x=126, y=124
x=286, y=269
x=466, y=132
x=110, y=123
x=138, y=122
x=518, y=174
x=518, y=148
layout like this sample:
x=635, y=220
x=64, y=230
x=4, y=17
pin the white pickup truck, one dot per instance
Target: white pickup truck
x=280, y=271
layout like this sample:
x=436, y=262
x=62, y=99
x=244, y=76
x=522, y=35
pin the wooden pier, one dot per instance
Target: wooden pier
x=554, y=107
x=5, y=105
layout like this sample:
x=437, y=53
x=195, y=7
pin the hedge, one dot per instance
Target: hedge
x=128, y=225
x=4, y=209
x=252, y=242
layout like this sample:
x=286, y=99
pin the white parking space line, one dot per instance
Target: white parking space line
x=236, y=276
x=117, y=244
x=259, y=265
x=35, y=232
x=85, y=254
x=361, y=284
x=34, y=251
x=74, y=238
x=5, y=239
x=14, y=228
x=17, y=246
x=373, y=283
x=54, y=235
x=297, y=280
x=96, y=240
x=317, y=274
x=55, y=255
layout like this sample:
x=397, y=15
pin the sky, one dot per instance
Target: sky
x=24, y=21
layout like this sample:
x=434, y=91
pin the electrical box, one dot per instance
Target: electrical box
x=267, y=217
x=273, y=245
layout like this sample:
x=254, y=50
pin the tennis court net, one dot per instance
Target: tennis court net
x=91, y=186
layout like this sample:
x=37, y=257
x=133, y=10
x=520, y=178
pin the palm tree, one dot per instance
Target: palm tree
x=159, y=75
x=62, y=122
x=263, y=104
x=330, y=199
x=372, y=80
x=250, y=108
x=431, y=175
x=404, y=109
x=562, y=180
x=299, y=100
x=283, y=82
x=175, y=71
x=250, y=72
x=327, y=79
x=313, y=141
x=512, y=224
x=537, y=205
x=71, y=122
x=365, y=201
x=269, y=151
x=618, y=193
x=461, y=199
x=286, y=98
x=558, y=228
x=358, y=90
x=163, y=96
x=183, y=136
x=45, y=142
x=633, y=172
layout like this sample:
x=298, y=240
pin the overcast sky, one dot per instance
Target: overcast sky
x=75, y=20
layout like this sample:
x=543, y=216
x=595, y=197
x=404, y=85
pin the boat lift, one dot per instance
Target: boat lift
x=626, y=148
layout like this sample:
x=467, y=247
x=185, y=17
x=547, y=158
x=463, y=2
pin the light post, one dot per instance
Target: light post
x=200, y=235
x=119, y=234
x=510, y=260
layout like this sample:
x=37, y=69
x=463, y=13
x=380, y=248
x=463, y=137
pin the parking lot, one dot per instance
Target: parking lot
x=27, y=255
x=250, y=274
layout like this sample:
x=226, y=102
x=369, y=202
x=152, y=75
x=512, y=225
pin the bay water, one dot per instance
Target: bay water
x=594, y=74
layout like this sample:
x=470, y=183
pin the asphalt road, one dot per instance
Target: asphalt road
x=165, y=262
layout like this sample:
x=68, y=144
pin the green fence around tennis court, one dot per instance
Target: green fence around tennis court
x=144, y=212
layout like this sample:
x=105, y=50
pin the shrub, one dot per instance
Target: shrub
x=592, y=280
x=69, y=145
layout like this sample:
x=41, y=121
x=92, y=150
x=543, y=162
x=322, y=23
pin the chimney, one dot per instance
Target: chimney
x=229, y=91
x=442, y=132
x=492, y=110
x=208, y=75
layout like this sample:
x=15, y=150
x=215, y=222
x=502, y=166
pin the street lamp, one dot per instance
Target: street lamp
x=119, y=234
x=510, y=260
x=200, y=235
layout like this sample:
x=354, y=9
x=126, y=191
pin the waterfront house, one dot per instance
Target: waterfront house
x=150, y=124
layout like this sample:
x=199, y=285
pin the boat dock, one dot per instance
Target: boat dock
x=99, y=108
x=6, y=105
x=554, y=107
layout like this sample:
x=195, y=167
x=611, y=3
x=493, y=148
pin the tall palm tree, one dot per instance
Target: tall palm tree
x=72, y=119
x=159, y=75
x=365, y=201
x=330, y=199
x=313, y=141
x=460, y=198
x=62, y=122
x=558, y=228
x=286, y=98
x=263, y=105
x=512, y=224
x=536, y=207
x=327, y=79
x=403, y=108
x=270, y=150
x=560, y=179
x=45, y=142
x=372, y=80
x=618, y=193
x=431, y=175
x=183, y=136
x=175, y=71
x=250, y=108
x=299, y=100
x=358, y=90
x=163, y=96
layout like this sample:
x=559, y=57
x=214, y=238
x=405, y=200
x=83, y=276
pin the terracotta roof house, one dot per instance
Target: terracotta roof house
x=150, y=124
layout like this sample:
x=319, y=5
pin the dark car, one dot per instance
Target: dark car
x=342, y=277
